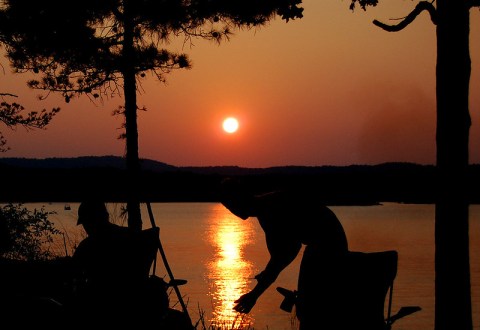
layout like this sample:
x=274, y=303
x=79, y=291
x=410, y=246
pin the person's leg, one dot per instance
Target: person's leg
x=320, y=303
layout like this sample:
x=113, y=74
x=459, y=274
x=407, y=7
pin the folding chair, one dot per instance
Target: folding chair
x=367, y=278
x=370, y=276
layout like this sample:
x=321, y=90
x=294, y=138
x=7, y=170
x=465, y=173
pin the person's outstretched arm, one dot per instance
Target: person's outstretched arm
x=281, y=255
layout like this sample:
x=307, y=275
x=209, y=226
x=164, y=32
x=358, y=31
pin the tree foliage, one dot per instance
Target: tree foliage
x=26, y=235
x=82, y=51
x=13, y=115
x=106, y=47
x=363, y=3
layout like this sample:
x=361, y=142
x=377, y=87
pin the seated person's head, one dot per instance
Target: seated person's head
x=92, y=214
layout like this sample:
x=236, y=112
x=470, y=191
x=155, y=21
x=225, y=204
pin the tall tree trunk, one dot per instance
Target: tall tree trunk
x=131, y=128
x=453, y=309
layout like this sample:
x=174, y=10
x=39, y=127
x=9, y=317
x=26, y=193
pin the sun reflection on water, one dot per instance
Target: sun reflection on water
x=229, y=272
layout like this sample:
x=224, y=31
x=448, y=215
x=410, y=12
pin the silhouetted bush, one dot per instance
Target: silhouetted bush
x=26, y=235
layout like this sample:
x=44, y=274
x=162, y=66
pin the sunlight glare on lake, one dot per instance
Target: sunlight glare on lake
x=229, y=272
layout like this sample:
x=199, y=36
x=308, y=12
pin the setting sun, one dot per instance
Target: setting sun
x=230, y=125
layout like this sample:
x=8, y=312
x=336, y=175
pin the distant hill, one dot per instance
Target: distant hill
x=118, y=162
x=81, y=162
x=71, y=179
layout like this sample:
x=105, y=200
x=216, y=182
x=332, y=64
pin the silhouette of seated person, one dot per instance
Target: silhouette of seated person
x=112, y=265
x=115, y=287
x=333, y=286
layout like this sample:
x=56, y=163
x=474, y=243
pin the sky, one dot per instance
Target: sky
x=328, y=89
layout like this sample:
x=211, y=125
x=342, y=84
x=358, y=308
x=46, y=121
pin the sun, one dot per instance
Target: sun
x=230, y=125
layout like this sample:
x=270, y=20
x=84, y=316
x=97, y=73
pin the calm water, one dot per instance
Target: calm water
x=220, y=254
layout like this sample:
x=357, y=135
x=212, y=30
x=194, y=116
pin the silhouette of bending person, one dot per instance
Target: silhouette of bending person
x=290, y=220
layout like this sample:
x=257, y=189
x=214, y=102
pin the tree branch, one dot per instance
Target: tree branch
x=8, y=94
x=421, y=6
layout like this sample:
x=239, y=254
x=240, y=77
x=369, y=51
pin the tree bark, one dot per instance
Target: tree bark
x=131, y=128
x=453, y=309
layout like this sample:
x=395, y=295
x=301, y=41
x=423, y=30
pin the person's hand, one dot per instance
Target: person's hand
x=246, y=302
x=259, y=276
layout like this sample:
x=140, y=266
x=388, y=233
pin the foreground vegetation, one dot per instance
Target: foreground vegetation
x=26, y=234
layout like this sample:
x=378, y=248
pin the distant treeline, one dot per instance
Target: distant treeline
x=72, y=179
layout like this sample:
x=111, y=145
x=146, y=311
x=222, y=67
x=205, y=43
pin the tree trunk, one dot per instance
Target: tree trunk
x=131, y=128
x=453, y=309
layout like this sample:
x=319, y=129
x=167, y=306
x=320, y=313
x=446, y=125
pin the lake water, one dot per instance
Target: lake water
x=219, y=254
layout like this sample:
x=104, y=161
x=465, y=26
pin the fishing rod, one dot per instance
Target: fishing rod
x=167, y=266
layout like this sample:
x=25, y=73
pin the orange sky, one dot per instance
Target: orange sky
x=328, y=89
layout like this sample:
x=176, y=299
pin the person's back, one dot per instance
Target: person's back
x=100, y=257
x=302, y=217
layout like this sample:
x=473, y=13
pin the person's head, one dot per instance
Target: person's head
x=236, y=198
x=92, y=214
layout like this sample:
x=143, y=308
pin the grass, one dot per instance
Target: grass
x=239, y=323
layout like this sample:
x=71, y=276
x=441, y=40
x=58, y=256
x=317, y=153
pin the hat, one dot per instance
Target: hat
x=92, y=210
